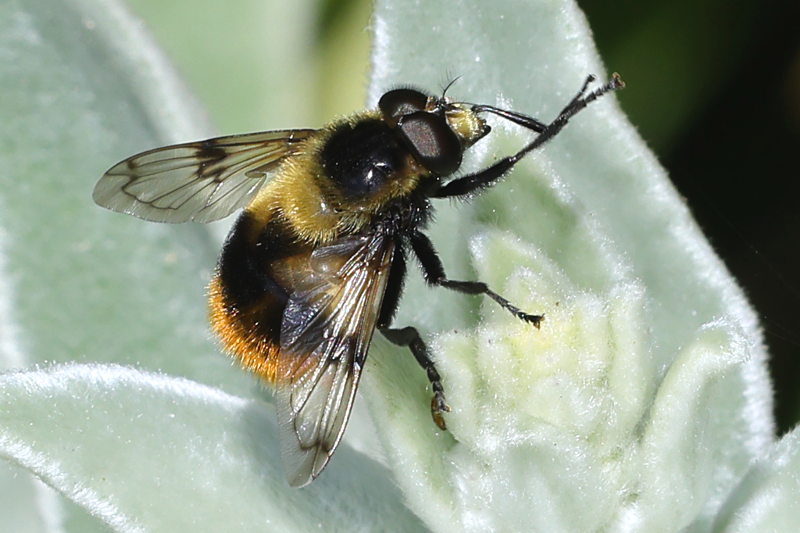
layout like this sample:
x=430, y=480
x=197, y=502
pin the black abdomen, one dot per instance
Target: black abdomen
x=244, y=259
x=249, y=293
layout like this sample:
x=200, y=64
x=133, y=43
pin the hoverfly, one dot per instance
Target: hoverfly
x=317, y=259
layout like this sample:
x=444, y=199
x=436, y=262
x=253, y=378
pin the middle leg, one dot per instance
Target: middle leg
x=434, y=274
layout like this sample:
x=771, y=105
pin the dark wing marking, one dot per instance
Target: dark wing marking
x=325, y=334
x=200, y=181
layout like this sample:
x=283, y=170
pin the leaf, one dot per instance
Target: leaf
x=645, y=330
x=148, y=452
x=69, y=111
x=589, y=231
x=766, y=498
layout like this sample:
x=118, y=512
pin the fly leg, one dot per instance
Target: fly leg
x=434, y=274
x=409, y=336
x=487, y=177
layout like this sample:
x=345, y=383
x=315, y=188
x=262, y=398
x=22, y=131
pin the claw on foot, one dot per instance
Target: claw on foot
x=438, y=406
x=536, y=320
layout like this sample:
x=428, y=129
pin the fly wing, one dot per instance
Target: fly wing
x=325, y=334
x=200, y=181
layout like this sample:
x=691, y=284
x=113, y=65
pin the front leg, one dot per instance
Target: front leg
x=433, y=271
x=472, y=183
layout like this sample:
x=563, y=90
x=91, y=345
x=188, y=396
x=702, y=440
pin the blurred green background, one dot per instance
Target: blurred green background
x=713, y=86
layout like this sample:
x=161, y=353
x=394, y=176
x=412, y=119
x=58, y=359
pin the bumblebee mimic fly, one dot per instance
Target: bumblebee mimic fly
x=316, y=261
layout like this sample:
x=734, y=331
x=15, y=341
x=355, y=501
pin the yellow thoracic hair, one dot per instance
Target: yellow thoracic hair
x=312, y=205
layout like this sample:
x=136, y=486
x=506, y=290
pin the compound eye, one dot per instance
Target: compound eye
x=399, y=102
x=432, y=142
